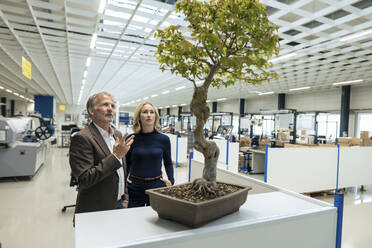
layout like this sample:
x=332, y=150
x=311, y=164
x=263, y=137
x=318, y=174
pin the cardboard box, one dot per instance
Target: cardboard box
x=244, y=148
x=303, y=135
x=349, y=141
x=365, y=138
x=344, y=144
x=283, y=136
x=356, y=141
x=326, y=145
x=244, y=142
x=344, y=140
x=286, y=145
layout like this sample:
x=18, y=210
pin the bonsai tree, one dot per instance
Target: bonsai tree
x=230, y=41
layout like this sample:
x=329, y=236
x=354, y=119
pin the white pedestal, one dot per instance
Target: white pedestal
x=274, y=219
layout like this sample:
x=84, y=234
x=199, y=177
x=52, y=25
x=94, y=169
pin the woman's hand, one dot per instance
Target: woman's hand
x=167, y=182
x=129, y=181
x=124, y=204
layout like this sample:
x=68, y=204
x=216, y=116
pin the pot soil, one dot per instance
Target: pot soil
x=182, y=204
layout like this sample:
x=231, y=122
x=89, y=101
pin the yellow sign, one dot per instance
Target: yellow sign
x=26, y=68
x=62, y=107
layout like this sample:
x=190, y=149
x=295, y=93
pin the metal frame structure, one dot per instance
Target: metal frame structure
x=78, y=47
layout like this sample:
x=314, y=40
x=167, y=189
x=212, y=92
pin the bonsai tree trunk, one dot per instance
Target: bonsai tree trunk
x=209, y=149
x=231, y=41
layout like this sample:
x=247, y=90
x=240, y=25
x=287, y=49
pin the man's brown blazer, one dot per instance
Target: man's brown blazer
x=94, y=167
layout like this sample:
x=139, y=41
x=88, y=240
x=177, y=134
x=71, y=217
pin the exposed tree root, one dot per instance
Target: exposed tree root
x=200, y=185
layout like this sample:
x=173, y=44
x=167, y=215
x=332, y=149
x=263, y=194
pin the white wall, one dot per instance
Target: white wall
x=228, y=106
x=254, y=105
x=173, y=111
x=75, y=112
x=19, y=107
x=186, y=108
x=361, y=97
x=315, y=101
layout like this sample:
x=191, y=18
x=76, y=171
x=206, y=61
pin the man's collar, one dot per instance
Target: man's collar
x=103, y=132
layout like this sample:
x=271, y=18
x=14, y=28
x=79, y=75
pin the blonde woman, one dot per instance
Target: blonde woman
x=146, y=155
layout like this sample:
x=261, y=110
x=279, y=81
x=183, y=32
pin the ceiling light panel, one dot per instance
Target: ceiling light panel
x=321, y=59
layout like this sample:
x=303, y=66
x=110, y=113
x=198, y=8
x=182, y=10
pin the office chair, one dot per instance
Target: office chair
x=73, y=181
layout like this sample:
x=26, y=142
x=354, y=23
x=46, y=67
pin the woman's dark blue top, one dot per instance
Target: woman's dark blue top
x=145, y=156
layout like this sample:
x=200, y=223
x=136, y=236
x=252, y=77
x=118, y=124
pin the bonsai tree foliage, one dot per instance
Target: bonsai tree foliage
x=230, y=41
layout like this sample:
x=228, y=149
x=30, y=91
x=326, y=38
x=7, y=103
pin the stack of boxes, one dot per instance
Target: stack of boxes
x=365, y=138
x=363, y=141
x=349, y=141
x=244, y=145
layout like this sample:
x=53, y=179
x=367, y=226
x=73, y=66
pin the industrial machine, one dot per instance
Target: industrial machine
x=22, y=146
x=223, y=132
x=255, y=142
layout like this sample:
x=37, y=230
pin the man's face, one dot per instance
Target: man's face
x=104, y=110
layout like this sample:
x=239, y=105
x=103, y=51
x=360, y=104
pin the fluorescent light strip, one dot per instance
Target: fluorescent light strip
x=167, y=106
x=265, y=93
x=102, y=6
x=282, y=57
x=349, y=82
x=165, y=92
x=145, y=98
x=7, y=90
x=302, y=88
x=221, y=99
x=357, y=35
x=155, y=95
x=88, y=62
x=183, y=104
x=93, y=41
x=174, y=105
x=181, y=87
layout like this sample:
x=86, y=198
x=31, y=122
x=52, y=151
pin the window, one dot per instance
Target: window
x=329, y=126
x=263, y=126
x=235, y=123
x=365, y=122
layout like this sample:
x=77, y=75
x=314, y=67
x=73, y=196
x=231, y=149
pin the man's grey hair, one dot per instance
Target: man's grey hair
x=91, y=103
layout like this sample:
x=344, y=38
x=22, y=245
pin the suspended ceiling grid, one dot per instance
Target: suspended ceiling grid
x=56, y=36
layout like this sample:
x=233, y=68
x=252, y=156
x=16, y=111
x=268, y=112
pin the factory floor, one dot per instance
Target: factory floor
x=31, y=216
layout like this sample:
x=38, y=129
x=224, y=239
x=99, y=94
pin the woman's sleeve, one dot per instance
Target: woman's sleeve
x=128, y=160
x=168, y=160
x=128, y=156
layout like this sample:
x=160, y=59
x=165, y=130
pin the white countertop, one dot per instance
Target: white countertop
x=128, y=227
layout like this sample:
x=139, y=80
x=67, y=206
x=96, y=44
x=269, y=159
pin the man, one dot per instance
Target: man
x=96, y=158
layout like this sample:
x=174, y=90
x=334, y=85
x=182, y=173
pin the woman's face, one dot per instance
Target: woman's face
x=148, y=115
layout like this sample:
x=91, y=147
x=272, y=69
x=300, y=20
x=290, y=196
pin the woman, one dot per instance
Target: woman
x=144, y=159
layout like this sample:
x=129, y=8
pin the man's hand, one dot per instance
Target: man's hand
x=122, y=146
